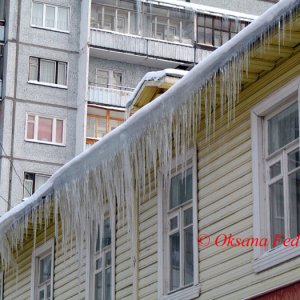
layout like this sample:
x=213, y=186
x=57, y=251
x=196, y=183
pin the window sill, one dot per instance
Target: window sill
x=186, y=294
x=64, y=87
x=275, y=257
x=46, y=143
x=50, y=29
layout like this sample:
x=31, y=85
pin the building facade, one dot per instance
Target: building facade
x=69, y=67
x=195, y=196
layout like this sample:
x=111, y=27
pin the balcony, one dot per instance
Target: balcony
x=112, y=96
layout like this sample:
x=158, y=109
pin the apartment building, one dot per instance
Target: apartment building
x=69, y=67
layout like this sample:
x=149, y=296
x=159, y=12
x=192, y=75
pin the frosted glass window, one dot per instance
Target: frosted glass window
x=33, y=68
x=37, y=14
x=30, y=127
x=50, y=16
x=59, y=131
x=45, y=129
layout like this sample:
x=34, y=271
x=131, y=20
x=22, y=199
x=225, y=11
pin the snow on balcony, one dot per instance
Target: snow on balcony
x=109, y=96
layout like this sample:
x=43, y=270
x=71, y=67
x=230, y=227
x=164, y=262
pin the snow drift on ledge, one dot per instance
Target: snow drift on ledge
x=116, y=168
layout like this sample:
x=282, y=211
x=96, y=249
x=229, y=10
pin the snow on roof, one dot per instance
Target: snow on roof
x=200, y=8
x=116, y=167
x=155, y=76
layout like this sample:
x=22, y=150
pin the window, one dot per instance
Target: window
x=42, y=272
x=44, y=129
x=32, y=182
x=178, y=250
x=102, y=263
x=276, y=174
x=98, y=125
x=47, y=71
x=216, y=31
x=50, y=16
x=109, y=78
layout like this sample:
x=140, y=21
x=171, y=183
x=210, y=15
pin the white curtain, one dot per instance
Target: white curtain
x=47, y=71
x=63, y=18
x=37, y=14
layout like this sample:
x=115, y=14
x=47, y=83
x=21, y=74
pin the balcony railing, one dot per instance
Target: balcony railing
x=109, y=96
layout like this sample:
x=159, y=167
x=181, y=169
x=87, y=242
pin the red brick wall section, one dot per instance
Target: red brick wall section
x=291, y=292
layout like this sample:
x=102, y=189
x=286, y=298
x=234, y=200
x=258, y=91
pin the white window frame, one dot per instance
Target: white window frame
x=36, y=126
x=267, y=258
x=190, y=292
x=44, y=83
x=91, y=244
x=110, y=78
x=38, y=253
x=33, y=190
x=45, y=4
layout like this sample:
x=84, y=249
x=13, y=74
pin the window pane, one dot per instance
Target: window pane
x=294, y=185
x=114, y=124
x=294, y=159
x=37, y=14
x=106, y=240
x=277, y=209
x=33, y=68
x=200, y=35
x=102, y=78
x=275, y=169
x=91, y=127
x=48, y=291
x=62, y=73
x=45, y=269
x=117, y=79
x=117, y=114
x=47, y=71
x=283, y=128
x=30, y=127
x=188, y=216
x=63, y=18
x=181, y=188
x=108, y=284
x=45, y=129
x=174, y=223
x=59, y=131
x=174, y=261
x=50, y=16
x=101, y=129
x=188, y=256
x=98, y=263
x=41, y=295
x=108, y=259
x=98, y=286
x=122, y=25
x=40, y=180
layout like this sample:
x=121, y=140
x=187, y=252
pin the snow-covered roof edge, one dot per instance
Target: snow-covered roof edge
x=205, y=9
x=155, y=76
x=70, y=184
